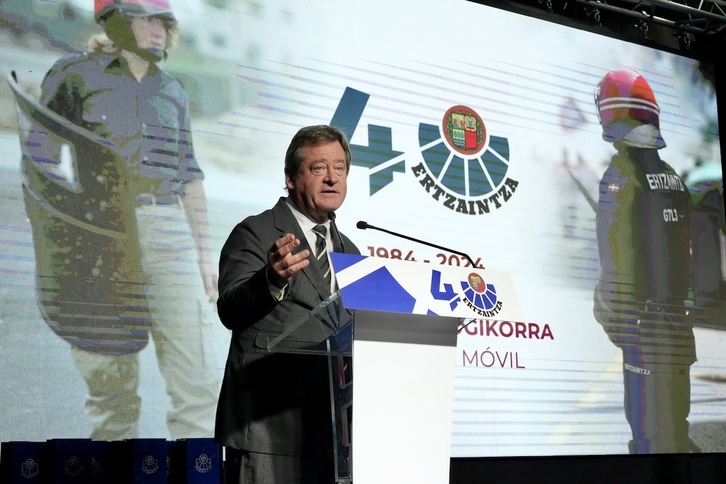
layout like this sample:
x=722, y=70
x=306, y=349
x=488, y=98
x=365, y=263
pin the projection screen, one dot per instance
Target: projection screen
x=471, y=128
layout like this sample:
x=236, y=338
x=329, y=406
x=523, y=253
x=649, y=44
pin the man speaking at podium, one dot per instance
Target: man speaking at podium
x=274, y=412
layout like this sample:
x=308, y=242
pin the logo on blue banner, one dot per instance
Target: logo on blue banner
x=480, y=297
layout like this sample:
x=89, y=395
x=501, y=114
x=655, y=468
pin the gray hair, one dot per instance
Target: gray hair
x=313, y=136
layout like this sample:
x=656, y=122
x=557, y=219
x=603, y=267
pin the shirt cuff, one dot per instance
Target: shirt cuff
x=276, y=293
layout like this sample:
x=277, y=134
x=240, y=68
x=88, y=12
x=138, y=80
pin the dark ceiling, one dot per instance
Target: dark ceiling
x=696, y=28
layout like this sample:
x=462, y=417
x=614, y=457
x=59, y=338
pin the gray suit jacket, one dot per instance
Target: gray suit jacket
x=271, y=403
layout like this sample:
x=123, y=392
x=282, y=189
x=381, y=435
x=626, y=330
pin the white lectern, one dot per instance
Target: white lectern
x=398, y=322
x=403, y=369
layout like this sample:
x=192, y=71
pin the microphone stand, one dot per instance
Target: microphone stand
x=331, y=217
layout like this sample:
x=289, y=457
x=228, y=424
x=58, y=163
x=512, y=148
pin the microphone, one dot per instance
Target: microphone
x=365, y=225
x=331, y=217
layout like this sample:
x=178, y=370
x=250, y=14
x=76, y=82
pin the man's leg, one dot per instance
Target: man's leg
x=113, y=405
x=657, y=404
x=255, y=468
x=636, y=405
x=183, y=321
x=676, y=383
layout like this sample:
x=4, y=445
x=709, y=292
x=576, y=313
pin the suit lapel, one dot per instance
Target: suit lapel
x=286, y=223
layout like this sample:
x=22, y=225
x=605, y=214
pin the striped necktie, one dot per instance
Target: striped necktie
x=320, y=253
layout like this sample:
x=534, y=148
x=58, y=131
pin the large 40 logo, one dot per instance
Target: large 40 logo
x=464, y=167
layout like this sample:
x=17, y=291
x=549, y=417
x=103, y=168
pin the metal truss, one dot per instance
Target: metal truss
x=700, y=17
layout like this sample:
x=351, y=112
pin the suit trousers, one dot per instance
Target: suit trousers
x=255, y=468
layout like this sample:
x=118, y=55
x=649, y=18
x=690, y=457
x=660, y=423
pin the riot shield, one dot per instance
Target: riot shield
x=89, y=281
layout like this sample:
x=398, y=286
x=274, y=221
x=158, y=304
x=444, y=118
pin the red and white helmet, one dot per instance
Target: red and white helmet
x=103, y=8
x=116, y=17
x=627, y=110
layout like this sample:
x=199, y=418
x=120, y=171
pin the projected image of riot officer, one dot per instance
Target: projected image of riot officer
x=643, y=235
x=121, y=246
